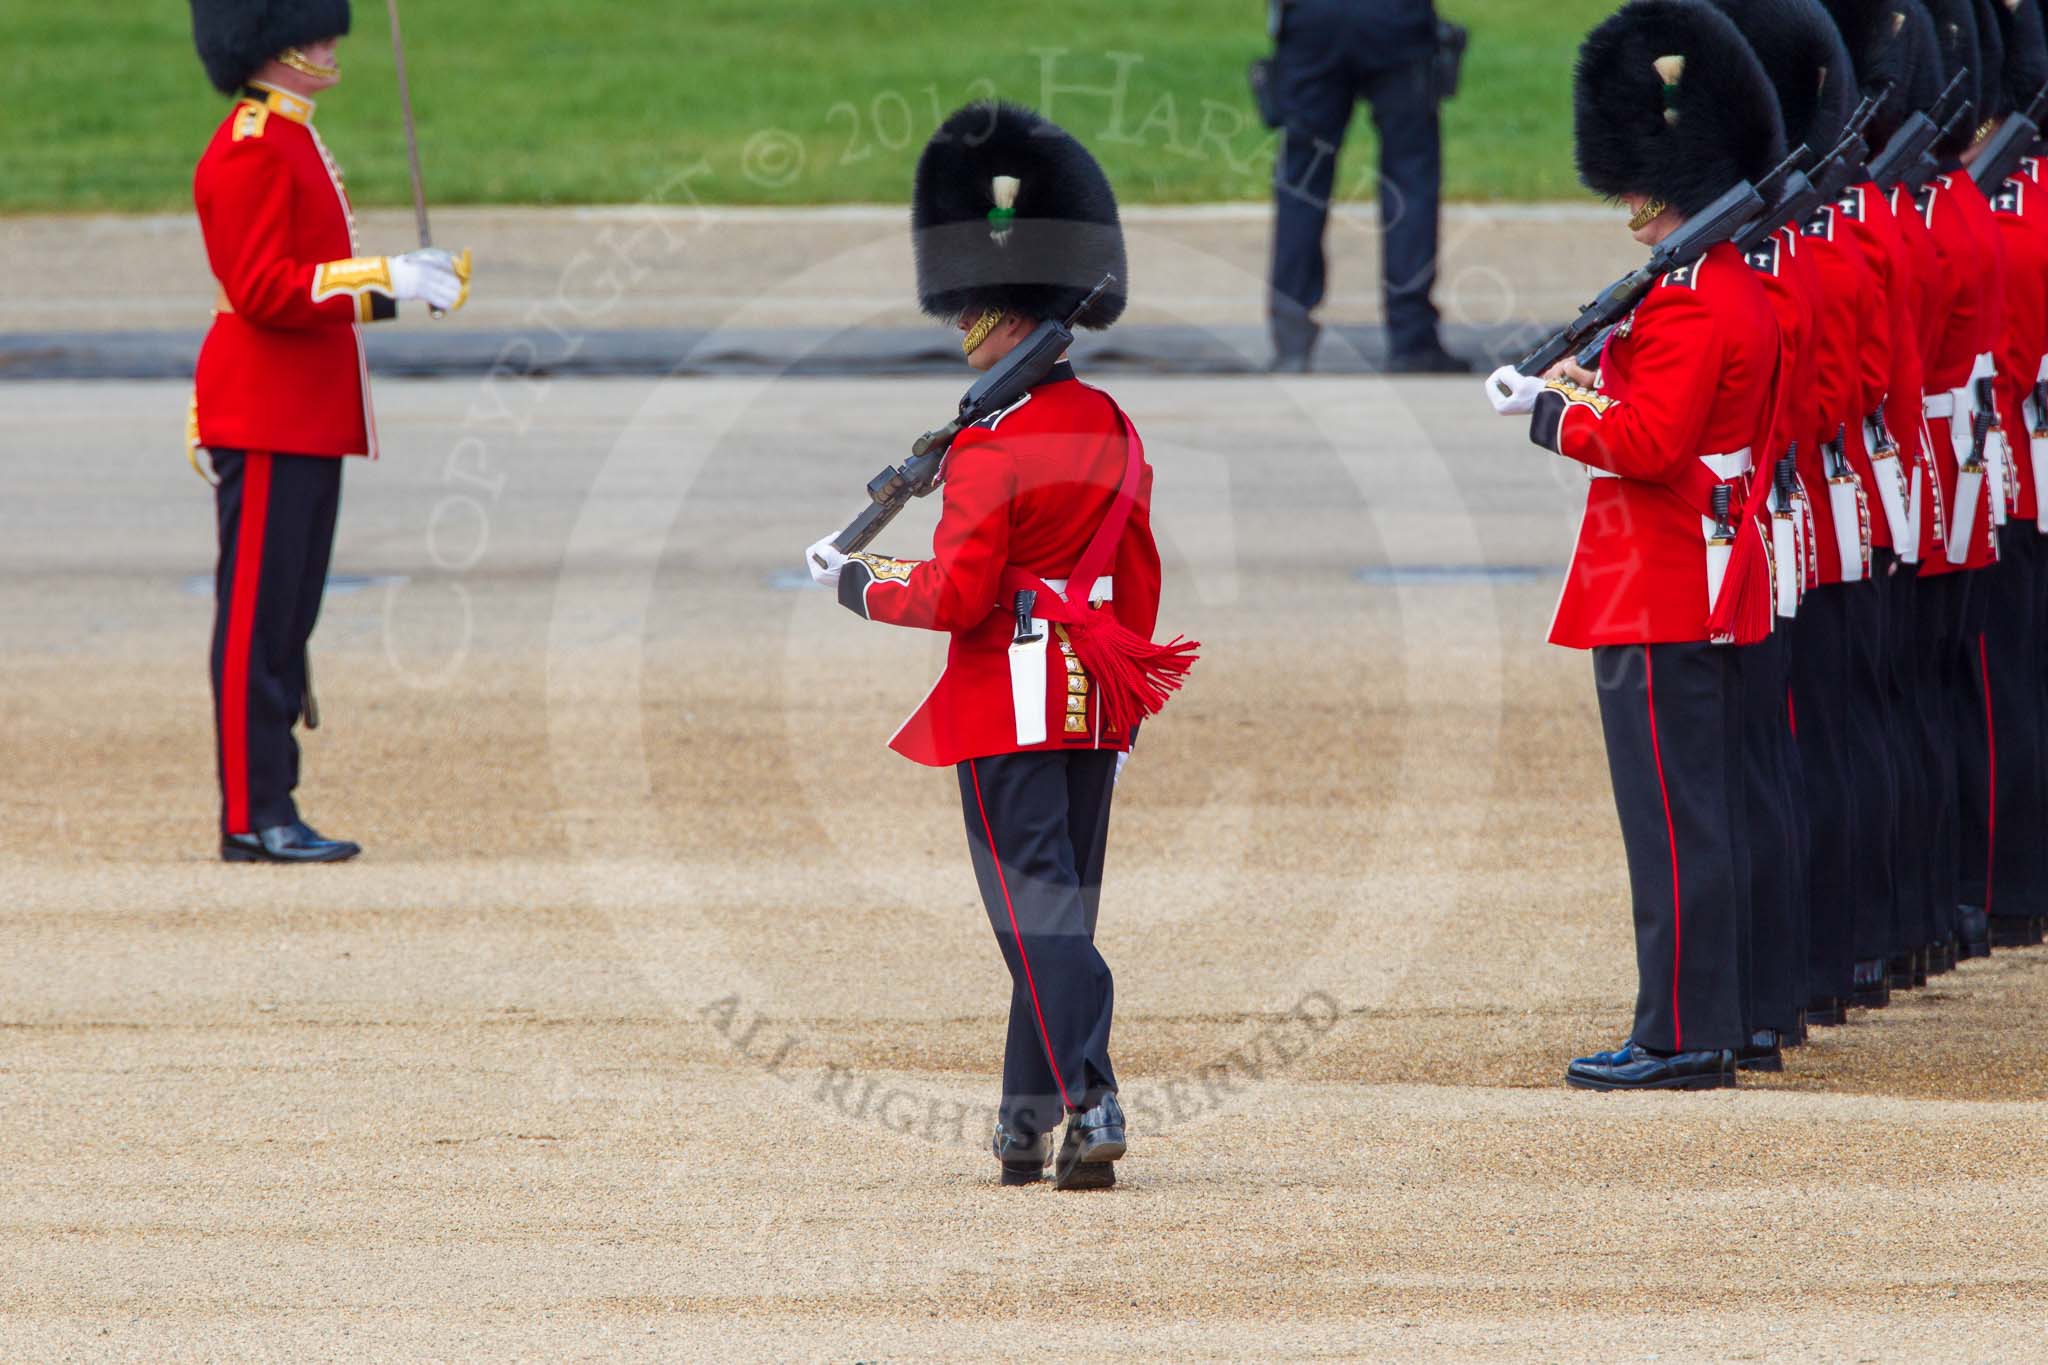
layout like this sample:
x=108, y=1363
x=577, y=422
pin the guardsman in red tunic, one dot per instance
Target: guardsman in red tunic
x=2005, y=817
x=1889, y=785
x=1044, y=574
x=281, y=393
x=1671, y=109
x=1960, y=406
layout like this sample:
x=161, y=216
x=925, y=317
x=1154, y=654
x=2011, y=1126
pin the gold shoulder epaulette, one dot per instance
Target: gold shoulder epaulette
x=251, y=119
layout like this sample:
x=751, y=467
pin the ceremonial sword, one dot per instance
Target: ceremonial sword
x=412, y=139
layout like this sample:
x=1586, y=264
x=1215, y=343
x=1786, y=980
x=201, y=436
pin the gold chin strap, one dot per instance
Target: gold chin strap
x=306, y=66
x=1647, y=214
x=990, y=319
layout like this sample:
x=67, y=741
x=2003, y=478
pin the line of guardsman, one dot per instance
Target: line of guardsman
x=1812, y=571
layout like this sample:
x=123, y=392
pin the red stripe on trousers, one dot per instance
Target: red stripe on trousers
x=1991, y=786
x=1671, y=833
x=1029, y=984
x=234, y=672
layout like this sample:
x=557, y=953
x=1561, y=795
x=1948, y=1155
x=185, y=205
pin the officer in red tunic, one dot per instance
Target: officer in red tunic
x=1671, y=109
x=2005, y=856
x=1044, y=574
x=281, y=392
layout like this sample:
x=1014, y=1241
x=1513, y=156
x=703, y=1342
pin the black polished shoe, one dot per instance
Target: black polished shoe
x=1941, y=956
x=1796, y=1035
x=1870, y=987
x=1826, y=1011
x=1428, y=360
x=1907, y=970
x=1763, y=1053
x=297, y=842
x=1023, y=1157
x=1632, y=1068
x=2015, y=931
x=1289, y=362
x=1088, y=1152
x=1973, y=932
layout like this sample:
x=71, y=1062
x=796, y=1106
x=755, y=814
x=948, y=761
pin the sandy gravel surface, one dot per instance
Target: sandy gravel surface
x=660, y=1019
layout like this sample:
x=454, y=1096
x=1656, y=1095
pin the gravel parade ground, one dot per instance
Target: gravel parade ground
x=660, y=1018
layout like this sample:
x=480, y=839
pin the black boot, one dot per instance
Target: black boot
x=1763, y=1053
x=2015, y=931
x=1022, y=1156
x=1870, y=987
x=297, y=842
x=1826, y=1011
x=1088, y=1152
x=1973, y=932
x=1633, y=1068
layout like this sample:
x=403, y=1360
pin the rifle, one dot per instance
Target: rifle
x=1910, y=143
x=1716, y=223
x=2014, y=139
x=1015, y=375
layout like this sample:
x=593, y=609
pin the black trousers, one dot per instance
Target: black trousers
x=1823, y=714
x=1872, y=794
x=1672, y=717
x=1905, y=679
x=1331, y=54
x=1999, y=740
x=276, y=520
x=1037, y=830
x=1774, y=838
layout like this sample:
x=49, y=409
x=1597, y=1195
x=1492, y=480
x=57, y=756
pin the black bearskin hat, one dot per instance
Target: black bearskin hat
x=1892, y=44
x=1991, y=93
x=1010, y=212
x=1955, y=37
x=2021, y=34
x=2026, y=51
x=235, y=37
x=1811, y=70
x=1669, y=101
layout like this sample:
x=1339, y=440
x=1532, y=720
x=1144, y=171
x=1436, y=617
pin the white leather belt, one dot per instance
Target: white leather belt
x=1105, y=588
x=1733, y=465
x=1938, y=404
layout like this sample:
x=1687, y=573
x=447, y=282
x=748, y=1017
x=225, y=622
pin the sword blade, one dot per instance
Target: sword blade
x=412, y=138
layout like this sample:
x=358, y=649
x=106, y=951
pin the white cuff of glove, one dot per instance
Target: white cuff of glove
x=428, y=275
x=1511, y=392
x=824, y=561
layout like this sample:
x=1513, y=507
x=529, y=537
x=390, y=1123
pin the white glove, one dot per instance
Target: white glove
x=431, y=275
x=824, y=561
x=1511, y=392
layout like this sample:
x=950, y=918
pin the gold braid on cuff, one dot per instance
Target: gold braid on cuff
x=1647, y=214
x=306, y=66
x=990, y=319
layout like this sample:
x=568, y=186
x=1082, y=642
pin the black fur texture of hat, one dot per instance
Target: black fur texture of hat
x=1808, y=64
x=1669, y=101
x=235, y=37
x=1010, y=212
x=1892, y=45
x=2022, y=35
x=1956, y=42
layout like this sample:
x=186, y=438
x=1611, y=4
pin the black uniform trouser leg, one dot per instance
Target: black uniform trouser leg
x=1935, y=834
x=1954, y=701
x=1777, y=938
x=2000, y=736
x=1872, y=794
x=1910, y=872
x=1405, y=113
x=276, y=518
x=1037, y=831
x=1318, y=88
x=1672, y=718
x=1823, y=717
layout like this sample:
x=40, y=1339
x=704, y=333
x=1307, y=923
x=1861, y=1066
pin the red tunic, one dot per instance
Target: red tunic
x=2021, y=212
x=1967, y=254
x=1027, y=489
x=1688, y=393
x=282, y=368
x=1850, y=308
x=1889, y=353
